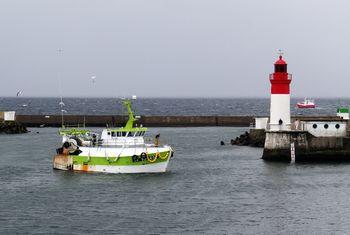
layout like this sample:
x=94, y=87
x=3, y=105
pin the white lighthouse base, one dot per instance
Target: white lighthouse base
x=280, y=111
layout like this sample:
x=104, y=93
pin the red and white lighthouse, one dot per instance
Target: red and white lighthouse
x=280, y=97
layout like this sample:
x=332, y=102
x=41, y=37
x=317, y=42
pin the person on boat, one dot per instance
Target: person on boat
x=156, y=140
x=64, y=149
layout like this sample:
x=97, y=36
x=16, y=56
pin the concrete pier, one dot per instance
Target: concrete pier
x=307, y=147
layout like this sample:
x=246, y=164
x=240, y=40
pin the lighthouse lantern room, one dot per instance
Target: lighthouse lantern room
x=280, y=97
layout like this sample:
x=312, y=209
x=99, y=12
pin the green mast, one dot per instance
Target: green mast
x=129, y=126
x=132, y=119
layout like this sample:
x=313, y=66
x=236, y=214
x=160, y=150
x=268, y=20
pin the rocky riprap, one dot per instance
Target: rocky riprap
x=253, y=138
x=12, y=128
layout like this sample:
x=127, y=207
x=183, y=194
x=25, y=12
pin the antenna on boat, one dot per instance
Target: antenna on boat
x=61, y=103
x=59, y=55
x=62, y=116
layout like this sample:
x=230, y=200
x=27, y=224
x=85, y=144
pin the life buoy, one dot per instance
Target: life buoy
x=143, y=156
x=165, y=156
x=152, y=157
x=135, y=158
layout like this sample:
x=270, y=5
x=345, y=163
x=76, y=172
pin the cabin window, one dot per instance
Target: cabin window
x=326, y=126
x=113, y=134
x=138, y=133
x=108, y=133
x=337, y=126
x=314, y=126
x=131, y=134
x=119, y=134
x=123, y=134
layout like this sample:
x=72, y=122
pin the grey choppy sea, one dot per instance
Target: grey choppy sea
x=162, y=106
x=209, y=189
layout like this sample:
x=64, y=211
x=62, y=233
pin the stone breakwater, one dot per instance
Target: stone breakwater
x=253, y=138
x=148, y=121
x=12, y=128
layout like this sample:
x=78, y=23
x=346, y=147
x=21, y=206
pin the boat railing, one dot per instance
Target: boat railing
x=74, y=126
x=125, y=145
x=149, y=142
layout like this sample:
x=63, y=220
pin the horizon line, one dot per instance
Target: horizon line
x=169, y=97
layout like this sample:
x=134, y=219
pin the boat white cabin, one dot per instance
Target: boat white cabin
x=123, y=137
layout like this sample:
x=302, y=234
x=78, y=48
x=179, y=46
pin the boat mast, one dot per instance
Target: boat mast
x=132, y=119
x=62, y=112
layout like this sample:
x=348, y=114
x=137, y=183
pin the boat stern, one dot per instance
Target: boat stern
x=63, y=162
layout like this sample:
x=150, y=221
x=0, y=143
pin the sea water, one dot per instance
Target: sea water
x=163, y=107
x=208, y=189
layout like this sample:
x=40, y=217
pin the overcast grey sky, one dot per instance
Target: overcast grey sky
x=173, y=48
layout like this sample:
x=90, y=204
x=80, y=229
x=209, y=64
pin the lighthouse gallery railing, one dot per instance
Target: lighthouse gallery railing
x=289, y=76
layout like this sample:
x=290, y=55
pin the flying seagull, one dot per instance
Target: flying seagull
x=19, y=93
x=93, y=79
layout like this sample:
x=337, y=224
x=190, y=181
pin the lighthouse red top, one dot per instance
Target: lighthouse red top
x=280, y=79
x=280, y=61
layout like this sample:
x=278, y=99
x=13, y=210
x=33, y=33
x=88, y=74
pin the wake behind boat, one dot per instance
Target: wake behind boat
x=306, y=104
x=120, y=150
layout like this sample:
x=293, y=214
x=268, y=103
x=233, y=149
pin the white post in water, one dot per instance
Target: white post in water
x=280, y=97
x=292, y=152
